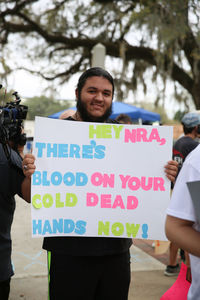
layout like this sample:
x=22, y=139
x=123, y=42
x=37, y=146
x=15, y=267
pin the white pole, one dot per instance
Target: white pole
x=140, y=121
x=98, y=55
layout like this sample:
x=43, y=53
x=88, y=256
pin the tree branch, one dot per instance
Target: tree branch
x=18, y=7
x=26, y=24
x=72, y=70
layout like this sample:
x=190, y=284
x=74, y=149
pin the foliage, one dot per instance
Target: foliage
x=43, y=106
x=179, y=115
x=57, y=37
x=159, y=109
x=6, y=96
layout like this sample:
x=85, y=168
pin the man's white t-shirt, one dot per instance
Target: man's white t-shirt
x=181, y=206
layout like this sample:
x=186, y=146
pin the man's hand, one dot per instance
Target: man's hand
x=28, y=165
x=28, y=169
x=171, y=170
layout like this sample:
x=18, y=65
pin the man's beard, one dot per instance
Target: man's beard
x=81, y=108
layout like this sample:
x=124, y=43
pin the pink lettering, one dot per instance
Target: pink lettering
x=92, y=199
x=96, y=179
x=108, y=180
x=124, y=180
x=118, y=202
x=106, y=201
x=134, y=183
x=145, y=183
x=132, y=202
x=154, y=135
x=105, y=180
x=159, y=184
x=130, y=135
x=141, y=135
x=149, y=184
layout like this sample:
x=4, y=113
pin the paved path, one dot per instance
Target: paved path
x=30, y=279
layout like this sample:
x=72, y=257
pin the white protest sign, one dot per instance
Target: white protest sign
x=99, y=179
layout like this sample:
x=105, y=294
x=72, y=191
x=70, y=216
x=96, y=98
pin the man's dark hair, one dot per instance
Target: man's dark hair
x=96, y=71
x=187, y=130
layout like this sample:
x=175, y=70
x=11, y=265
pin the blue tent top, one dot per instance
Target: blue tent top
x=134, y=112
x=57, y=115
x=118, y=108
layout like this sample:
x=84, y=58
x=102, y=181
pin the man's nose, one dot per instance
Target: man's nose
x=99, y=96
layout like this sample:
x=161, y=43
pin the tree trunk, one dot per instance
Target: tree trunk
x=196, y=94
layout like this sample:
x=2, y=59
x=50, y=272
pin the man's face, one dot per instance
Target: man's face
x=95, y=101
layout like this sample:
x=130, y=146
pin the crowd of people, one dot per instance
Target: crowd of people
x=102, y=264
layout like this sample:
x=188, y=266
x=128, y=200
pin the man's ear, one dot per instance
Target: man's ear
x=198, y=129
x=195, y=130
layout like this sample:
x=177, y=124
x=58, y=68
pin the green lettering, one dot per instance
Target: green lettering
x=58, y=202
x=71, y=200
x=106, y=132
x=47, y=200
x=117, y=130
x=93, y=131
x=132, y=229
x=117, y=229
x=34, y=201
x=103, y=228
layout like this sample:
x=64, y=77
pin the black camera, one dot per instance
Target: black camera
x=11, y=118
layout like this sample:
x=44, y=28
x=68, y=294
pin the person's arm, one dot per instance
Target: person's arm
x=26, y=189
x=171, y=170
x=182, y=233
x=20, y=150
x=28, y=165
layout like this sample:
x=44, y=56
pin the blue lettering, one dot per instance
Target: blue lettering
x=69, y=179
x=58, y=226
x=74, y=151
x=81, y=179
x=62, y=150
x=36, y=178
x=47, y=228
x=68, y=226
x=100, y=152
x=80, y=227
x=56, y=178
x=45, y=182
x=87, y=151
x=40, y=147
x=37, y=226
x=51, y=149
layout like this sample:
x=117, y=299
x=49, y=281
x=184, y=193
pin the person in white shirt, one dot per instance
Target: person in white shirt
x=182, y=226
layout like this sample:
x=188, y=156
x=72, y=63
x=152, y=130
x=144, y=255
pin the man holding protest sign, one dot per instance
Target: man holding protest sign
x=90, y=267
